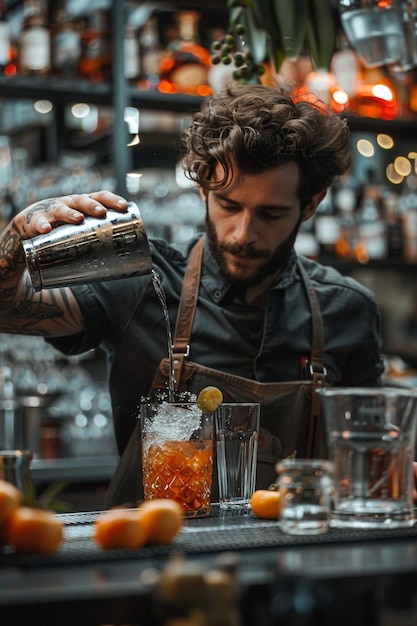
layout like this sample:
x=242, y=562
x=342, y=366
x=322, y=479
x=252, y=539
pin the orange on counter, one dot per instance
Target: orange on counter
x=162, y=518
x=152, y=522
x=33, y=530
x=266, y=503
x=119, y=528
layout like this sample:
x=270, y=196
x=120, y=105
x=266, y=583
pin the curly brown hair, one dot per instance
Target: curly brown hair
x=255, y=128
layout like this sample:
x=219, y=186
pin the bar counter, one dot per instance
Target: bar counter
x=360, y=577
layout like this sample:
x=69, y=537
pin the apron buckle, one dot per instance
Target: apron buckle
x=185, y=354
x=317, y=369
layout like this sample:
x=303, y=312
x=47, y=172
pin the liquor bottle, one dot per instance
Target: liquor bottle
x=150, y=52
x=185, y=69
x=66, y=42
x=372, y=227
x=345, y=67
x=5, y=41
x=327, y=228
x=347, y=196
x=131, y=65
x=392, y=218
x=35, y=41
x=95, y=62
x=407, y=209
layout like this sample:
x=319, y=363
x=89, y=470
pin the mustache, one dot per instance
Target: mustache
x=248, y=251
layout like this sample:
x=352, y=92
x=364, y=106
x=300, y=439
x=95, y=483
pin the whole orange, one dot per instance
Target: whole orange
x=33, y=530
x=162, y=518
x=119, y=528
x=266, y=503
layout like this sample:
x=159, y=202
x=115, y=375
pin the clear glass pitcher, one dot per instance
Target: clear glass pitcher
x=371, y=435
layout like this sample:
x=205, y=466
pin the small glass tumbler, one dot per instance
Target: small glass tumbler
x=306, y=488
x=237, y=428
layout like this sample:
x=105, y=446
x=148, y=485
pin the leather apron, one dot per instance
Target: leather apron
x=291, y=421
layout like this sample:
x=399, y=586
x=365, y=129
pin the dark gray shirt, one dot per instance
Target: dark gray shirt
x=125, y=318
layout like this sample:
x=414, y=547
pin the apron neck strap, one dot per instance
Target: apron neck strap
x=317, y=336
x=187, y=307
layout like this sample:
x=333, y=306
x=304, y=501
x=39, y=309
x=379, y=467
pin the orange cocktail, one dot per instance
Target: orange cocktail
x=177, y=455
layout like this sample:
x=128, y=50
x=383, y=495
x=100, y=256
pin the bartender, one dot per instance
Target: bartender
x=259, y=321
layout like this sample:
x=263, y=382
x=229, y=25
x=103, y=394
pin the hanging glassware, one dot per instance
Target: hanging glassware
x=383, y=32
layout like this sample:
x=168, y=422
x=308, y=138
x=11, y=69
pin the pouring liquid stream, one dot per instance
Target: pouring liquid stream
x=159, y=290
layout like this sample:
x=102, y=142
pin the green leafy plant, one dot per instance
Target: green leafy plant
x=272, y=30
x=48, y=498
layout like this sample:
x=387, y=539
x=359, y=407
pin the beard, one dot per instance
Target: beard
x=273, y=263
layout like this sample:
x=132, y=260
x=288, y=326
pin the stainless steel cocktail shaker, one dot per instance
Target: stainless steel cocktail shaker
x=99, y=249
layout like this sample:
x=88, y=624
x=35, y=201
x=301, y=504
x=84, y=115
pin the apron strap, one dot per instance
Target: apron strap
x=317, y=339
x=186, y=311
x=317, y=369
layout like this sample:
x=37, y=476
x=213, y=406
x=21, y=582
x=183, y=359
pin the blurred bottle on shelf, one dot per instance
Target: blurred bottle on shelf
x=372, y=227
x=327, y=228
x=346, y=197
x=131, y=54
x=307, y=242
x=65, y=42
x=407, y=208
x=8, y=408
x=345, y=66
x=95, y=62
x=150, y=51
x=5, y=39
x=392, y=219
x=185, y=69
x=34, y=40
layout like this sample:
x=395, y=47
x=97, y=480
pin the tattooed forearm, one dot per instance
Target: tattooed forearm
x=49, y=312
x=11, y=254
x=12, y=266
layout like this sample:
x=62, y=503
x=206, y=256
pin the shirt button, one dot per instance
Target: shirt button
x=217, y=294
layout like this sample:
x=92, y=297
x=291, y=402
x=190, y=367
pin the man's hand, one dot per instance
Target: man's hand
x=42, y=216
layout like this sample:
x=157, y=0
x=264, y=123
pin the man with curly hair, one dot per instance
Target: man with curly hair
x=260, y=322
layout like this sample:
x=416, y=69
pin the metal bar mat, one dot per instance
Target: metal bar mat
x=212, y=534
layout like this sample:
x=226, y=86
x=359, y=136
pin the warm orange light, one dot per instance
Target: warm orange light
x=362, y=255
x=10, y=70
x=341, y=97
x=383, y=92
x=166, y=87
x=375, y=100
x=204, y=90
x=340, y=101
